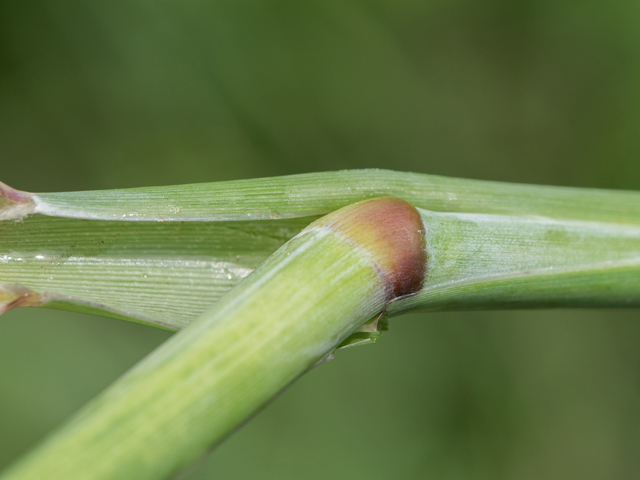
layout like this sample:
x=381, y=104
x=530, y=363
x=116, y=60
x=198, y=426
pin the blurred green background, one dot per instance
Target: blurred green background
x=130, y=93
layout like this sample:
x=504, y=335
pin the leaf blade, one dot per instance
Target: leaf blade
x=320, y=193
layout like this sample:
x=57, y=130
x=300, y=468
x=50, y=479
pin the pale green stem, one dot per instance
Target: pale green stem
x=483, y=261
x=201, y=384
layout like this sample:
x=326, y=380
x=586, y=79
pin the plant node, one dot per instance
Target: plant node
x=391, y=231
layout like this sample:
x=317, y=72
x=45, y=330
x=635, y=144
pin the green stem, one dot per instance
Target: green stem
x=484, y=261
x=201, y=384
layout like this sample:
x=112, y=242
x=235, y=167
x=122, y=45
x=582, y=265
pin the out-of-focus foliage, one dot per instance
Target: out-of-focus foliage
x=119, y=94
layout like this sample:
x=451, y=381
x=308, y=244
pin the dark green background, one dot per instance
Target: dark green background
x=122, y=93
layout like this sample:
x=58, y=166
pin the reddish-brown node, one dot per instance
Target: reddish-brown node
x=392, y=232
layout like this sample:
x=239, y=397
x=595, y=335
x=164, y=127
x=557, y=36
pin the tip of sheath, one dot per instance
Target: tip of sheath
x=14, y=204
x=392, y=232
x=12, y=296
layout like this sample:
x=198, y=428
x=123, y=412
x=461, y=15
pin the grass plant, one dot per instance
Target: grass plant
x=263, y=287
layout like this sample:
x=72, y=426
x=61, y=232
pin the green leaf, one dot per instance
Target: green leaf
x=320, y=193
x=161, y=273
x=161, y=263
